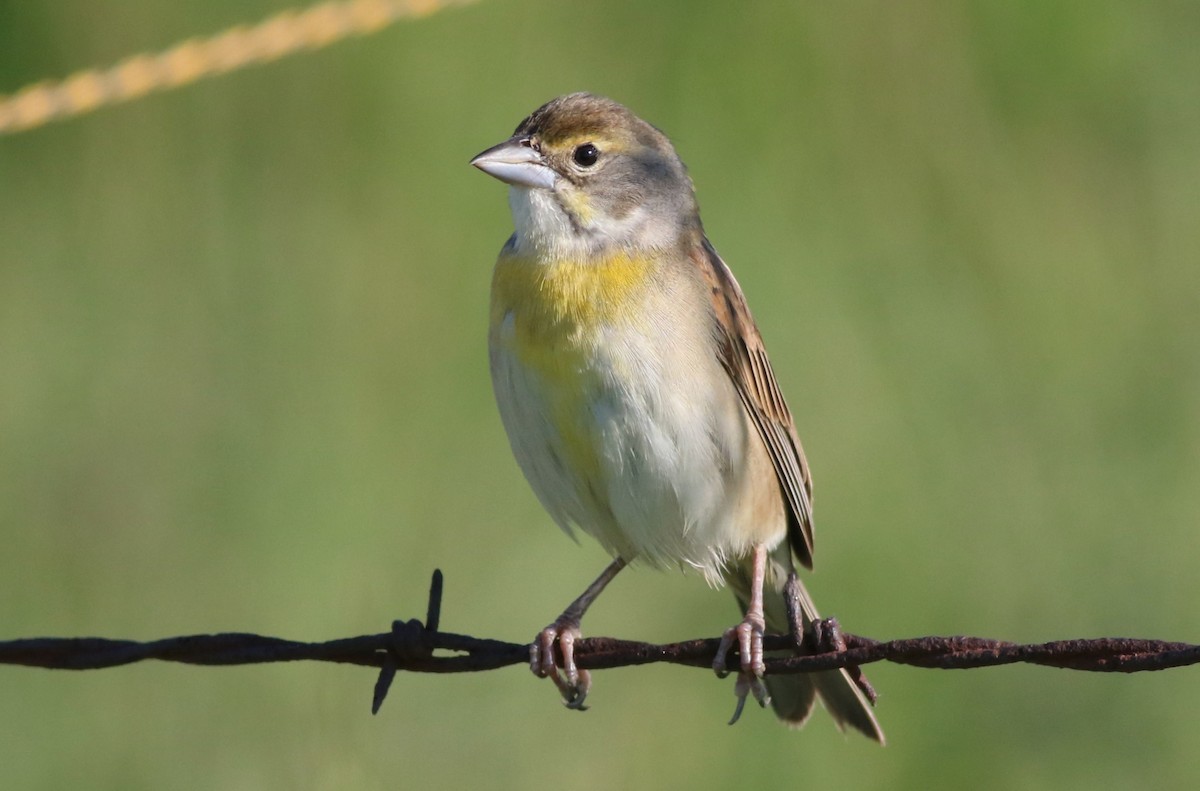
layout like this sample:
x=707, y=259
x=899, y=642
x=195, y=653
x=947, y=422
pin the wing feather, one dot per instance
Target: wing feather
x=745, y=360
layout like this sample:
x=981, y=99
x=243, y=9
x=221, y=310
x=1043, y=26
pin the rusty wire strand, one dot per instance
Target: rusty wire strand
x=419, y=647
x=283, y=34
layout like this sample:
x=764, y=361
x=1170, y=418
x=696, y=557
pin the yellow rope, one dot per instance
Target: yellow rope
x=275, y=37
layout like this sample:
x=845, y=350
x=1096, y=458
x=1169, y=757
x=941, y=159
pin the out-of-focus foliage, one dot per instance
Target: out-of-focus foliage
x=243, y=387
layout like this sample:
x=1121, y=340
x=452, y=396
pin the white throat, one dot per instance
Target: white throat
x=545, y=228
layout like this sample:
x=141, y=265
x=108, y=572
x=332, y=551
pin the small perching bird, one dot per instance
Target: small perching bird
x=636, y=392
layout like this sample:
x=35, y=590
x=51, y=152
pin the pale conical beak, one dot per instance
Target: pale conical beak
x=516, y=162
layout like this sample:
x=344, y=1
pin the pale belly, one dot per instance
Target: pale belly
x=641, y=442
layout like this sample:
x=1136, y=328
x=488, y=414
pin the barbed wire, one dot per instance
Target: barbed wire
x=282, y=34
x=421, y=647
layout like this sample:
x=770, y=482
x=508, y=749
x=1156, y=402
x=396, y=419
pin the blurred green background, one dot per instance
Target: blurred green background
x=243, y=387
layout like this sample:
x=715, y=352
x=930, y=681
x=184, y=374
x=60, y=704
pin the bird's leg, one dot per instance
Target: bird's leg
x=565, y=630
x=749, y=636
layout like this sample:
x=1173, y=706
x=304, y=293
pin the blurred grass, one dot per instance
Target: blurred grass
x=244, y=386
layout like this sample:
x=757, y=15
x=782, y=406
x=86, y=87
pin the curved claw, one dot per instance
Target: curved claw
x=748, y=684
x=719, y=666
x=749, y=636
x=573, y=684
x=574, y=695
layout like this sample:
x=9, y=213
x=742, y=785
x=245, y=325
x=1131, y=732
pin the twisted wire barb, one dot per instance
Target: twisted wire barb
x=236, y=48
x=419, y=647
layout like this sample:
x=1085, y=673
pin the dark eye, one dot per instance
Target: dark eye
x=586, y=155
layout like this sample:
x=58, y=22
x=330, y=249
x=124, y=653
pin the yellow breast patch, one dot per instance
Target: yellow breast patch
x=550, y=317
x=556, y=305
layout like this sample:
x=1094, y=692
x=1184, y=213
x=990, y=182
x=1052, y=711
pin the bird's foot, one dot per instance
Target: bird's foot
x=827, y=638
x=749, y=637
x=573, y=684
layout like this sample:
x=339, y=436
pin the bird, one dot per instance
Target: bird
x=637, y=395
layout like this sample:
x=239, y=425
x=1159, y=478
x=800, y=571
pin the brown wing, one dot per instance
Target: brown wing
x=745, y=360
